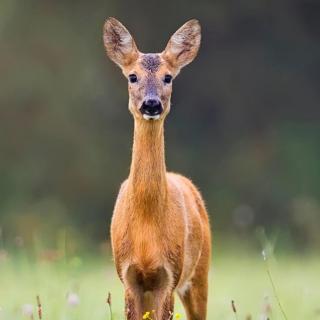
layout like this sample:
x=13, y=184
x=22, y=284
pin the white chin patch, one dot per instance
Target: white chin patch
x=147, y=117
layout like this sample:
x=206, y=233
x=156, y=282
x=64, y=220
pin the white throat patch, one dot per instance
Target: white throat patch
x=147, y=117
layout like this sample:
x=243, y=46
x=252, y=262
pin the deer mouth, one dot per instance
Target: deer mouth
x=149, y=117
x=151, y=109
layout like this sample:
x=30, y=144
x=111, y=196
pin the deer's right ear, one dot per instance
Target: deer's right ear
x=119, y=43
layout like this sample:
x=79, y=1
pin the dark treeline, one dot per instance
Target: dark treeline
x=244, y=123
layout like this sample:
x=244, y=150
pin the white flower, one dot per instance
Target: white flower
x=27, y=310
x=264, y=255
x=73, y=299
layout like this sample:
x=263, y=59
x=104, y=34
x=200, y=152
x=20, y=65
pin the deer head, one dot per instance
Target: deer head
x=150, y=75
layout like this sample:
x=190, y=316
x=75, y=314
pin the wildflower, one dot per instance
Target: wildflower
x=146, y=316
x=264, y=255
x=73, y=299
x=177, y=316
x=266, y=309
x=27, y=310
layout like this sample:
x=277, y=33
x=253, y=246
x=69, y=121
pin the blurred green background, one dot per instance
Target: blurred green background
x=244, y=123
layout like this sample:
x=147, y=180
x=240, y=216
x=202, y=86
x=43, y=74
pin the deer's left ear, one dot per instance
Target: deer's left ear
x=183, y=46
x=119, y=43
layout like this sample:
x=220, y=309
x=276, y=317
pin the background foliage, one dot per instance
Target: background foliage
x=244, y=123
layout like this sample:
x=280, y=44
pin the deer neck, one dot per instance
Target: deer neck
x=147, y=179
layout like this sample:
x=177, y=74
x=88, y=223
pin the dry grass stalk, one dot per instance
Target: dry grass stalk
x=109, y=302
x=39, y=307
x=234, y=309
x=265, y=258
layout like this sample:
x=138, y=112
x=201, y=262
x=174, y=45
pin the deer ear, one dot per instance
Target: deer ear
x=119, y=43
x=183, y=46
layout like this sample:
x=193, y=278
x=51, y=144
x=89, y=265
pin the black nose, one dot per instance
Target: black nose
x=151, y=107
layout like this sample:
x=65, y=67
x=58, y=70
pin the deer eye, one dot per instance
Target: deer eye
x=133, y=78
x=167, y=78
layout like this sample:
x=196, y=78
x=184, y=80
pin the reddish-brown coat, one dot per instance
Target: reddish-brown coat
x=160, y=230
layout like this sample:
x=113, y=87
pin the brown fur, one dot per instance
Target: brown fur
x=151, y=62
x=160, y=230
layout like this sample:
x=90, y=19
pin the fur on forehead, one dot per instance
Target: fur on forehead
x=151, y=62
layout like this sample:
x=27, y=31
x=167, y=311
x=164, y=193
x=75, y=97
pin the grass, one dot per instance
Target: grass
x=77, y=288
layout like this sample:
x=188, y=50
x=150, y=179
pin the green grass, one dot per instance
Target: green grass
x=240, y=276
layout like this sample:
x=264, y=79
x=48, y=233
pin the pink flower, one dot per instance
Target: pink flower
x=27, y=310
x=73, y=299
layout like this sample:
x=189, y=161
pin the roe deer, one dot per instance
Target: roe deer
x=160, y=229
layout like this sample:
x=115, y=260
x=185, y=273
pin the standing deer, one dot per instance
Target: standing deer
x=160, y=229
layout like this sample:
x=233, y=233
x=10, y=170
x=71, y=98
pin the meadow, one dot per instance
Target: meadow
x=76, y=287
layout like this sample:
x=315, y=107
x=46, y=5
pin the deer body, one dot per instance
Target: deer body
x=160, y=230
